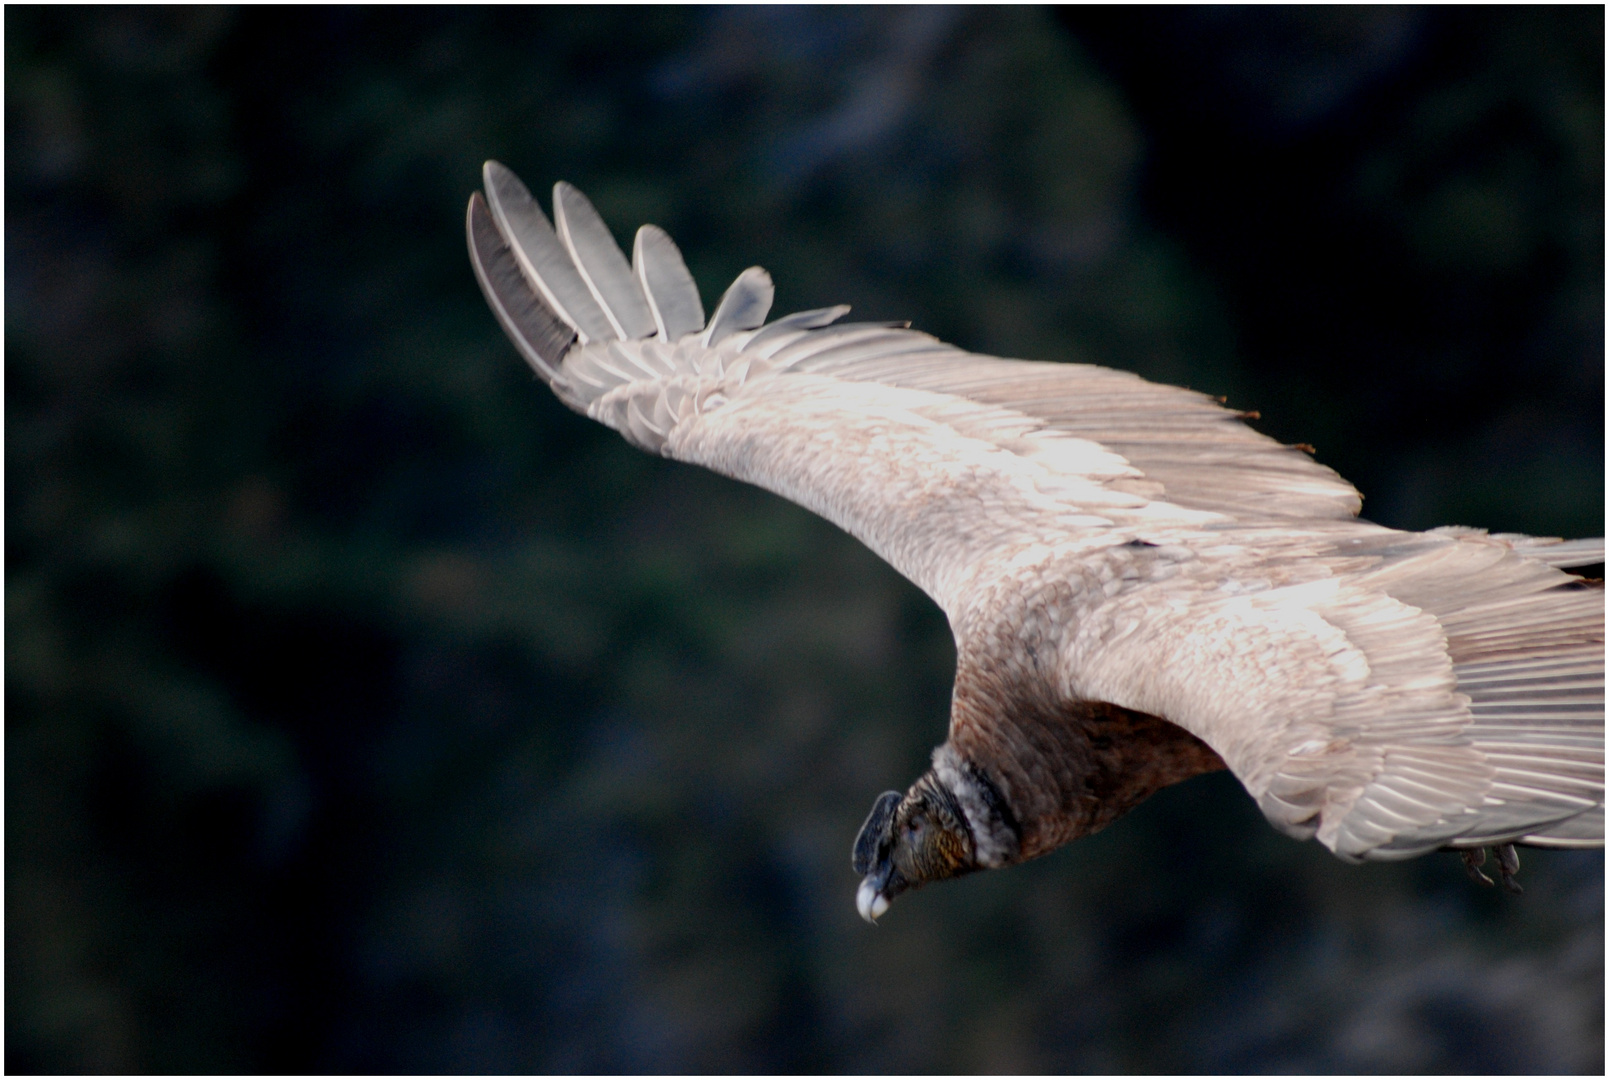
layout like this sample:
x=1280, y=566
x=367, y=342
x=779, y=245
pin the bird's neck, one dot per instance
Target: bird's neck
x=1067, y=769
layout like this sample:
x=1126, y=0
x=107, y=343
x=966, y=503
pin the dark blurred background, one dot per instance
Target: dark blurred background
x=368, y=711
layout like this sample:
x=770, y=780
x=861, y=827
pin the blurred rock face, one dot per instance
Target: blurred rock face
x=367, y=711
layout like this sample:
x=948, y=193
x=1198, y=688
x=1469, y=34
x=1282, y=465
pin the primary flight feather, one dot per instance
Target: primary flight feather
x=1141, y=587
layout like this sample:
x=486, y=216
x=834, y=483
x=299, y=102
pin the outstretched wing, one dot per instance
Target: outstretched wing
x=1388, y=693
x=1042, y=446
x=1359, y=686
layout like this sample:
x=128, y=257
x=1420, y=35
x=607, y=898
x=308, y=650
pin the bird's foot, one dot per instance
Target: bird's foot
x=1508, y=866
x=1474, y=859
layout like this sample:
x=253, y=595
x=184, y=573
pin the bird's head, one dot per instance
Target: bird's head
x=909, y=840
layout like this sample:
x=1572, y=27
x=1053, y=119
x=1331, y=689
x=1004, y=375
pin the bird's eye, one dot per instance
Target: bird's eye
x=913, y=828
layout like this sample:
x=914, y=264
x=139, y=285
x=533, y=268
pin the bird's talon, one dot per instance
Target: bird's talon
x=1473, y=859
x=1508, y=865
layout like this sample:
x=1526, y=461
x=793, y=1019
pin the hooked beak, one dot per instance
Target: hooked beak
x=870, y=902
x=877, y=891
x=882, y=882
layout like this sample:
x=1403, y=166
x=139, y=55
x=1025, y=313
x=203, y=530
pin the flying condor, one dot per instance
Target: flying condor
x=1141, y=587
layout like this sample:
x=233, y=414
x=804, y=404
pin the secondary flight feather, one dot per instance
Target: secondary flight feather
x=1141, y=587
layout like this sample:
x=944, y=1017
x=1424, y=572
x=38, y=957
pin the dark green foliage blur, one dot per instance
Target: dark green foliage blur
x=368, y=711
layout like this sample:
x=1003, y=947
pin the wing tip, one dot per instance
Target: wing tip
x=597, y=257
x=662, y=274
x=539, y=335
x=744, y=306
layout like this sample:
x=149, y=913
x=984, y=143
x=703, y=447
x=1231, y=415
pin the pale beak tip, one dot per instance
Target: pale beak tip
x=870, y=902
x=863, y=901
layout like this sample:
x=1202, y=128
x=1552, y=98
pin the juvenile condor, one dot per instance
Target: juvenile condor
x=1141, y=587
